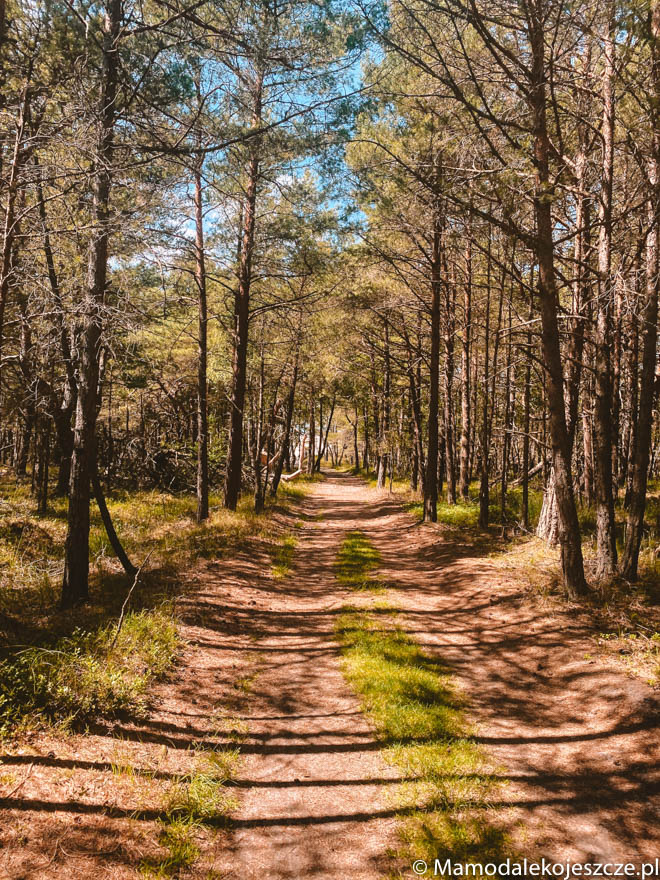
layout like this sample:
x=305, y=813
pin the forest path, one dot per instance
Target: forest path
x=315, y=804
x=577, y=740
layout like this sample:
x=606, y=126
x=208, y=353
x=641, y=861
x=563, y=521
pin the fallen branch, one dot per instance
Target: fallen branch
x=530, y=473
x=127, y=599
x=20, y=784
x=287, y=477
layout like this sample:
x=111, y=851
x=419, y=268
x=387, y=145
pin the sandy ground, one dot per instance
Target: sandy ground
x=576, y=740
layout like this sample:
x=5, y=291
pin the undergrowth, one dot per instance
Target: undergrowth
x=68, y=672
x=86, y=676
x=196, y=803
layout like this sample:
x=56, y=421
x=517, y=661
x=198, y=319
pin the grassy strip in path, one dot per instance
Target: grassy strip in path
x=355, y=562
x=195, y=804
x=414, y=706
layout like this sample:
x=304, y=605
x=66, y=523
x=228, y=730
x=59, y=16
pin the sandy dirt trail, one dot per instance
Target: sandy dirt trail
x=315, y=807
x=576, y=741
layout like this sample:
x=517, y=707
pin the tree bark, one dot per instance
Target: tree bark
x=202, y=348
x=384, y=442
x=431, y=481
x=464, y=478
x=649, y=324
x=569, y=527
x=606, y=555
x=75, y=586
x=450, y=459
x=242, y=312
x=277, y=475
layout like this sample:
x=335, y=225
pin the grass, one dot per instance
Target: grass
x=637, y=652
x=355, y=562
x=74, y=676
x=283, y=556
x=195, y=804
x=465, y=514
x=421, y=724
x=160, y=523
x=443, y=804
x=85, y=676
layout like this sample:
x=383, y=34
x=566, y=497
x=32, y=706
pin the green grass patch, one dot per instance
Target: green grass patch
x=196, y=803
x=462, y=515
x=356, y=560
x=283, y=556
x=443, y=804
x=84, y=677
x=465, y=514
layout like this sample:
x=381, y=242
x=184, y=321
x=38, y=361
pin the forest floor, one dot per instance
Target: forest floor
x=260, y=714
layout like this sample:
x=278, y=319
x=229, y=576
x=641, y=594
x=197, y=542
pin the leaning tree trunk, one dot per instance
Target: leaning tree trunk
x=323, y=438
x=110, y=530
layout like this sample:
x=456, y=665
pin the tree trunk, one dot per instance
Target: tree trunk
x=202, y=325
x=649, y=324
x=242, y=313
x=484, y=493
x=110, y=531
x=431, y=481
x=527, y=414
x=324, y=445
x=569, y=527
x=603, y=484
x=311, y=452
x=75, y=588
x=450, y=459
x=384, y=440
x=277, y=475
x=464, y=478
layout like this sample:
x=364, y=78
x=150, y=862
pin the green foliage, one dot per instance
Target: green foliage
x=465, y=514
x=84, y=676
x=201, y=797
x=198, y=801
x=420, y=721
